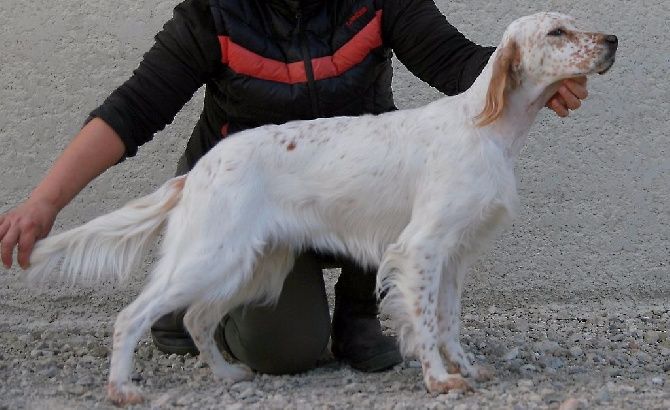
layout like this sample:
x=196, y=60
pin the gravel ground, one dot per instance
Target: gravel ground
x=571, y=307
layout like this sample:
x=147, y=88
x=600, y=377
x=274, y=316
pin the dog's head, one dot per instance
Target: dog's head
x=542, y=49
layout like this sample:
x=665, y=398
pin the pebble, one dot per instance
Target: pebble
x=651, y=337
x=576, y=351
x=573, y=404
x=659, y=381
x=50, y=372
x=525, y=383
x=414, y=364
x=547, y=347
x=511, y=354
x=603, y=395
x=99, y=351
x=72, y=389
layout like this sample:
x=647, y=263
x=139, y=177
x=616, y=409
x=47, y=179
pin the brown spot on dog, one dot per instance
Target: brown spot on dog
x=291, y=146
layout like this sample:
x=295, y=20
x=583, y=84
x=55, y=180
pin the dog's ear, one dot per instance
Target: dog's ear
x=505, y=77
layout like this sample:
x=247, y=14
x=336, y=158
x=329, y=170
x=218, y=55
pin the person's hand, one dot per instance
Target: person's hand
x=569, y=96
x=23, y=226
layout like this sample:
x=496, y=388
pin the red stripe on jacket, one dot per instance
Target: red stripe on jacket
x=246, y=62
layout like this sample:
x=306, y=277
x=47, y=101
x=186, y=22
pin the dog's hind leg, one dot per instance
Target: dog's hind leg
x=201, y=321
x=203, y=317
x=154, y=301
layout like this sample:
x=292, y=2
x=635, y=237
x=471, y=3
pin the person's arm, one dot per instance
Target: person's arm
x=94, y=149
x=430, y=47
x=436, y=52
x=185, y=55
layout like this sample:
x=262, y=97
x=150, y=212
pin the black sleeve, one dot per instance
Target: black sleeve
x=186, y=53
x=430, y=47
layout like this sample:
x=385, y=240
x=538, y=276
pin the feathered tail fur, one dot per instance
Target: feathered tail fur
x=110, y=246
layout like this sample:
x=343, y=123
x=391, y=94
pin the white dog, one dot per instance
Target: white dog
x=416, y=192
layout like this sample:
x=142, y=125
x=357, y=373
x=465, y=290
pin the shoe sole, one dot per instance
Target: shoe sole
x=377, y=363
x=172, y=349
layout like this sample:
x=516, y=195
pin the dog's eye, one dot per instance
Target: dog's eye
x=556, y=33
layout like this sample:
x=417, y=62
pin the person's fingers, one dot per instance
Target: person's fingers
x=571, y=101
x=582, y=79
x=558, y=106
x=8, y=244
x=4, y=227
x=26, y=244
x=577, y=88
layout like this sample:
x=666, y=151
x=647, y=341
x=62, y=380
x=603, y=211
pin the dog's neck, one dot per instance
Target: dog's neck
x=522, y=105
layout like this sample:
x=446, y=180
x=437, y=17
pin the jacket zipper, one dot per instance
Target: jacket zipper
x=309, y=70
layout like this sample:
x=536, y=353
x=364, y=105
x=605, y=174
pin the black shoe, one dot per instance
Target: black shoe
x=170, y=336
x=356, y=333
x=359, y=342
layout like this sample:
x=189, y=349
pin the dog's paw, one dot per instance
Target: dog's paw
x=123, y=394
x=451, y=382
x=233, y=373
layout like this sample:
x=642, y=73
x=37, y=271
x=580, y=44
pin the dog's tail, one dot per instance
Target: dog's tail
x=110, y=246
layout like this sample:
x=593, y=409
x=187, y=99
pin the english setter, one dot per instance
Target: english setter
x=415, y=192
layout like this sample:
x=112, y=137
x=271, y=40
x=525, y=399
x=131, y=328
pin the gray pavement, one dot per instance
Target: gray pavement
x=571, y=306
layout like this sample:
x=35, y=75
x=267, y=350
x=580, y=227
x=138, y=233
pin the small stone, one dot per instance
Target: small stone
x=85, y=381
x=26, y=338
x=552, y=397
x=573, y=404
x=492, y=309
x=525, y=383
x=553, y=363
x=414, y=364
x=651, y=337
x=511, y=354
x=522, y=325
x=547, y=347
x=527, y=368
x=658, y=381
x=50, y=372
x=624, y=388
x=99, y=351
x=603, y=396
x=246, y=393
x=73, y=389
x=576, y=351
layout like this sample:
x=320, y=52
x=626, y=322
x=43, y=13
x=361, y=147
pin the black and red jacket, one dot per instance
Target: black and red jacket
x=272, y=61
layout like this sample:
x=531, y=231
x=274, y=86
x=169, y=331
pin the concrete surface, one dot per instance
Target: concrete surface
x=571, y=306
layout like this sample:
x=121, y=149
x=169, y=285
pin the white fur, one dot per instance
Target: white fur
x=415, y=192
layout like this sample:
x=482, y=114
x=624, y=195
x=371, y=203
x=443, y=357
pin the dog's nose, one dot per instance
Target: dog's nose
x=611, y=39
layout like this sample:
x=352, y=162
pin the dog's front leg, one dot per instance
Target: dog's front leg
x=411, y=276
x=449, y=320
